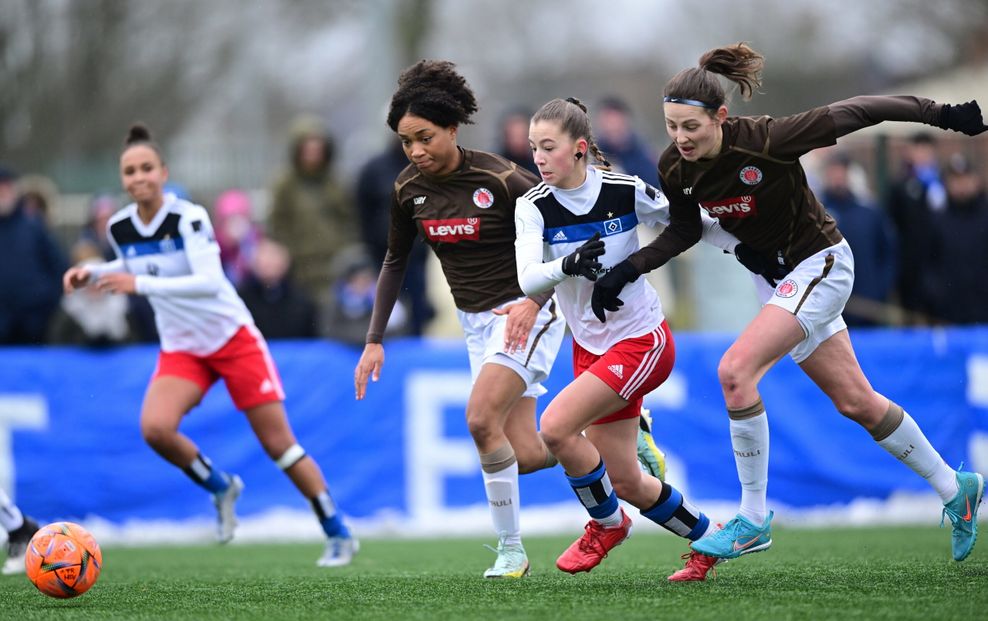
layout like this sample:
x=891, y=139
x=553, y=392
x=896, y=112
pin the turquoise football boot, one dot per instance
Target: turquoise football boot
x=963, y=512
x=739, y=536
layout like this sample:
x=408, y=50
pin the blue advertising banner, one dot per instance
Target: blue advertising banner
x=71, y=448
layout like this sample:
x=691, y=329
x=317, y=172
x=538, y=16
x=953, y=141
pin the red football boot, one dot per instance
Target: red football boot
x=589, y=550
x=697, y=566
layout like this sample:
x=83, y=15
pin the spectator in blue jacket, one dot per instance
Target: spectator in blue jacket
x=31, y=267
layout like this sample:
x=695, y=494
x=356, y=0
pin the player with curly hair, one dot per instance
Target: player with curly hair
x=462, y=203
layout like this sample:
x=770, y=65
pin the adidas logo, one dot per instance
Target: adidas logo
x=418, y=200
x=560, y=236
x=266, y=386
x=617, y=369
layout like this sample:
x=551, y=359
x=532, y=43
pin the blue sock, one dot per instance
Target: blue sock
x=677, y=515
x=329, y=519
x=595, y=492
x=202, y=472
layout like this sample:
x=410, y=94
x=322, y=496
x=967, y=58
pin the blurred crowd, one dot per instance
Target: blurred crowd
x=309, y=269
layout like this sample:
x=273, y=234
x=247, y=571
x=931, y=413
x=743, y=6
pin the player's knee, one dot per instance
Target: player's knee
x=482, y=425
x=291, y=456
x=553, y=435
x=732, y=373
x=155, y=432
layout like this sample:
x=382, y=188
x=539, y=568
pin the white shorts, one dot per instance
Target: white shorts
x=485, y=343
x=816, y=292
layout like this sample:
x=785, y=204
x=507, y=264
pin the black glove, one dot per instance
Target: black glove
x=608, y=286
x=583, y=262
x=964, y=118
x=769, y=269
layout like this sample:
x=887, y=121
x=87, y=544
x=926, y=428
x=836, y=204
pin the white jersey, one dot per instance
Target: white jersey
x=551, y=223
x=176, y=261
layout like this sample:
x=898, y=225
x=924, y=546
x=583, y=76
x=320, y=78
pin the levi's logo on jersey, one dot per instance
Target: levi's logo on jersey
x=452, y=230
x=737, y=207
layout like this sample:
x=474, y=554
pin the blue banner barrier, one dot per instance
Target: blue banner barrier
x=70, y=444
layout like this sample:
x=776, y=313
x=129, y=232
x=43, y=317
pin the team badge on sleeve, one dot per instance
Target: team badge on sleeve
x=750, y=175
x=202, y=231
x=483, y=198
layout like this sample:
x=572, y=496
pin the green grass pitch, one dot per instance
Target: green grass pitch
x=867, y=573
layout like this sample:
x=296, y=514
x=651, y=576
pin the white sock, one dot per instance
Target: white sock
x=908, y=444
x=10, y=516
x=611, y=521
x=749, y=439
x=504, y=500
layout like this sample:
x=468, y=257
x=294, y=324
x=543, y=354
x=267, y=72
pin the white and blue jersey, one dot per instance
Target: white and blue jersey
x=551, y=223
x=176, y=261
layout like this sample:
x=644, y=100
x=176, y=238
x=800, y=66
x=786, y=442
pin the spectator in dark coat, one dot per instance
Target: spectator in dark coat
x=375, y=186
x=957, y=283
x=31, y=267
x=622, y=146
x=912, y=201
x=514, y=139
x=280, y=309
x=872, y=240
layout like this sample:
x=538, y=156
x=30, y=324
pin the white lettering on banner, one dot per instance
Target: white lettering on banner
x=977, y=396
x=431, y=456
x=17, y=411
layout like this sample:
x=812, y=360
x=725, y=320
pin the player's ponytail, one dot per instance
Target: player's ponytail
x=574, y=120
x=699, y=86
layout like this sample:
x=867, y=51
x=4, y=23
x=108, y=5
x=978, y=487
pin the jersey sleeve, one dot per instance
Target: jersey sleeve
x=715, y=236
x=790, y=137
x=203, y=254
x=110, y=267
x=857, y=113
x=651, y=205
x=534, y=275
x=683, y=231
x=401, y=236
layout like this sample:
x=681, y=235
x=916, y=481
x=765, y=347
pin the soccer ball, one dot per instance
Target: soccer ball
x=63, y=560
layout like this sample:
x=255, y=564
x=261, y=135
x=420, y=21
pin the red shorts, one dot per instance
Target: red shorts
x=243, y=362
x=632, y=368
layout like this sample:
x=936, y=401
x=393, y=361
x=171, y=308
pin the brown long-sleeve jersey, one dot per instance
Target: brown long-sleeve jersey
x=756, y=186
x=467, y=217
